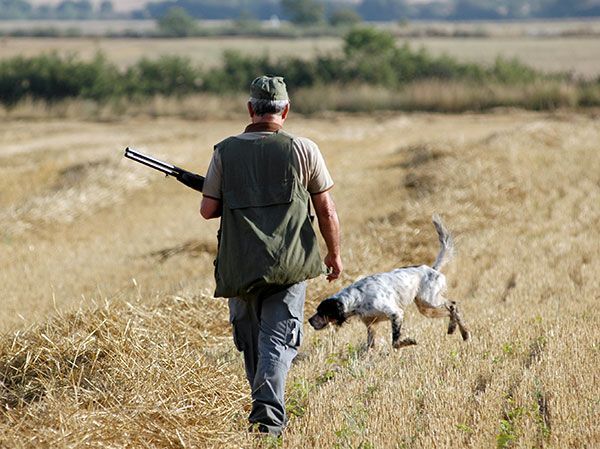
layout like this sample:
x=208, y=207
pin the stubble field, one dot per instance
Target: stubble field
x=112, y=339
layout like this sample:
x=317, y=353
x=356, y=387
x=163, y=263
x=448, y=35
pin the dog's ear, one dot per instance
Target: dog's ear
x=340, y=316
x=333, y=309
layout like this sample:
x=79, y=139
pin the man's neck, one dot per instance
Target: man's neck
x=268, y=118
x=262, y=127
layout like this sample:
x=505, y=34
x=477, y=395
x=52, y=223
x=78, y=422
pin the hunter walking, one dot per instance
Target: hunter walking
x=260, y=183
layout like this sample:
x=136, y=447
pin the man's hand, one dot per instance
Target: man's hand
x=329, y=226
x=334, y=263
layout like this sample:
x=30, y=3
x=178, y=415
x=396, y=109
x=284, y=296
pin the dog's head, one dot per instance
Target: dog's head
x=331, y=310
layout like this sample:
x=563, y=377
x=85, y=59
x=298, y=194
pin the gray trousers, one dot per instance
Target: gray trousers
x=267, y=328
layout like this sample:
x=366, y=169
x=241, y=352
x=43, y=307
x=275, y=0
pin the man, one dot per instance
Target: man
x=260, y=183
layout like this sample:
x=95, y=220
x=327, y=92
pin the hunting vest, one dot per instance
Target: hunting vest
x=266, y=235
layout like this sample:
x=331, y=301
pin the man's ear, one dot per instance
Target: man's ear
x=285, y=112
x=250, y=110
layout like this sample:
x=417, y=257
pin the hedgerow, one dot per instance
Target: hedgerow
x=369, y=57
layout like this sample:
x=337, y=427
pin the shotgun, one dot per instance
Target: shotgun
x=192, y=180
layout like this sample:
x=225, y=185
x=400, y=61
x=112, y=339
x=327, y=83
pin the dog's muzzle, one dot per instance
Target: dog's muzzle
x=317, y=321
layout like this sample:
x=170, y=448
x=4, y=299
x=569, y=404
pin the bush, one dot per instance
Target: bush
x=303, y=12
x=177, y=23
x=169, y=75
x=371, y=59
x=344, y=17
x=511, y=71
x=51, y=77
x=236, y=73
x=363, y=41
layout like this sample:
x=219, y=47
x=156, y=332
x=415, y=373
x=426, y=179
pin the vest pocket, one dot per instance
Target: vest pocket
x=260, y=196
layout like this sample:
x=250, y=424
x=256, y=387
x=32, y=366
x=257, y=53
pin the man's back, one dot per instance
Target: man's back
x=266, y=234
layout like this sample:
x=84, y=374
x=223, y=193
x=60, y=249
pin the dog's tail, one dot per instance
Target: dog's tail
x=446, y=244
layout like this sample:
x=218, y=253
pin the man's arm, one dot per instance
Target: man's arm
x=211, y=205
x=329, y=226
x=210, y=208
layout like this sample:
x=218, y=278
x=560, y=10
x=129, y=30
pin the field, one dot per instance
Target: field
x=112, y=338
x=577, y=54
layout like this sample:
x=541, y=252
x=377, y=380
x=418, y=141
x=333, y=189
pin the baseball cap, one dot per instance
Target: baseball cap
x=268, y=87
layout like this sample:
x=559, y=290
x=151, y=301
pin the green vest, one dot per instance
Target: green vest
x=266, y=235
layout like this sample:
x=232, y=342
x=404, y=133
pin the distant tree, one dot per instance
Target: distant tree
x=106, y=8
x=177, y=23
x=436, y=10
x=344, y=17
x=384, y=10
x=44, y=12
x=304, y=12
x=477, y=10
x=368, y=41
x=572, y=8
x=247, y=21
x=82, y=9
x=14, y=9
x=216, y=9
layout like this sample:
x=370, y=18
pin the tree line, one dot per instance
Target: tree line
x=312, y=11
x=315, y=11
x=65, y=10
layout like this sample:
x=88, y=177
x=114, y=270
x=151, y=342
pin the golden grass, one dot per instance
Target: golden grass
x=191, y=107
x=144, y=358
x=427, y=95
x=446, y=96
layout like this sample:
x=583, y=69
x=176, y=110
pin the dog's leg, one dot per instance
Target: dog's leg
x=447, y=309
x=434, y=311
x=456, y=319
x=370, y=336
x=453, y=322
x=370, y=323
x=396, y=319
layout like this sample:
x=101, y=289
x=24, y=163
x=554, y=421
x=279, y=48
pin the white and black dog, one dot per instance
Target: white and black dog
x=383, y=296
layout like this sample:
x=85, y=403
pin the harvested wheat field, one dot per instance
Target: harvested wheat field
x=112, y=339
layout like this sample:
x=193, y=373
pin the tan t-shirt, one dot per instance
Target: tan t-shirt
x=307, y=159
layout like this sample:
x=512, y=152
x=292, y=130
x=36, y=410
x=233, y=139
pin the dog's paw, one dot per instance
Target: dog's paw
x=451, y=327
x=465, y=334
x=402, y=343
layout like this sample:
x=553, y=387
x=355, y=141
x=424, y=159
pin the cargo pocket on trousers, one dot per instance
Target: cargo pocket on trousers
x=295, y=333
x=237, y=341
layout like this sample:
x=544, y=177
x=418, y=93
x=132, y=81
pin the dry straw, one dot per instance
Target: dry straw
x=155, y=366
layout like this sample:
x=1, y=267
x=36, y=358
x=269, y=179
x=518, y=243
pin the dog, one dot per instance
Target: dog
x=383, y=296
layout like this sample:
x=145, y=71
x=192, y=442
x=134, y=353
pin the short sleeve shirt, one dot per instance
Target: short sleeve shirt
x=308, y=160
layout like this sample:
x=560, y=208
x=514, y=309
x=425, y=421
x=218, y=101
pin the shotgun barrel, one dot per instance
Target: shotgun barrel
x=192, y=180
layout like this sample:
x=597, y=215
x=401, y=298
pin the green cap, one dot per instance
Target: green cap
x=268, y=87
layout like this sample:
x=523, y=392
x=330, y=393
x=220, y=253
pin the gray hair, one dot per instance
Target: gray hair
x=262, y=107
